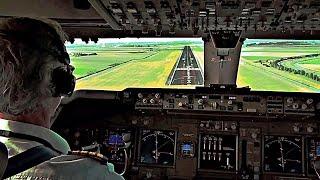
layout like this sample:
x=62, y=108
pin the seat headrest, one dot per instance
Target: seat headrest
x=3, y=159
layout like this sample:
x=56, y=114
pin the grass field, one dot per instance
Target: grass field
x=257, y=76
x=117, y=66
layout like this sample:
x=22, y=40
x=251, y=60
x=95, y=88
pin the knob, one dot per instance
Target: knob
x=295, y=105
x=310, y=129
x=180, y=104
x=77, y=134
x=309, y=101
x=152, y=101
x=145, y=101
x=140, y=95
x=145, y=122
x=201, y=125
x=230, y=102
x=290, y=100
x=304, y=106
x=233, y=126
x=126, y=137
x=217, y=126
x=157, y=95
x=134, y=121
x=207, y=124
x=296, y=128
x=200, y=101
x=254, y=135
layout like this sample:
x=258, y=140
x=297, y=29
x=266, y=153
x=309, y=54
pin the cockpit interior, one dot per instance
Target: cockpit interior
x=191, y=89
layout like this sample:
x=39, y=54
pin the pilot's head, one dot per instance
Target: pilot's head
x=34, y=69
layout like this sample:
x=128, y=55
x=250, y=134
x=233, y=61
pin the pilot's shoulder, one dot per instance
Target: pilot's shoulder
x=88, y=164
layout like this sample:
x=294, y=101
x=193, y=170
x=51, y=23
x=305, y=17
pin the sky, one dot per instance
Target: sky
x=249, y=41
x=129, y=40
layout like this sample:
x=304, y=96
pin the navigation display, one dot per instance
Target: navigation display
x=280, y=65
x=116, y=64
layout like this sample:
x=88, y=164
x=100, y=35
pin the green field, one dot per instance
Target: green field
x=116, y=66
x=267, y=67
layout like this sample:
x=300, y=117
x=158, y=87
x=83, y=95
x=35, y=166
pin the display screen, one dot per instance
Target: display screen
x=116, y=64
x=186, y=147
x=280, y=65
x=115, y=139
x=318, y=151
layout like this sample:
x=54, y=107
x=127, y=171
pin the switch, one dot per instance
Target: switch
x=215, y=143
x=210, y=140
x=204, y=155
x=204, y=142
x=219, y=156
x=209, y=156
x=228, y=160
x=220, y=142
x=214, y=105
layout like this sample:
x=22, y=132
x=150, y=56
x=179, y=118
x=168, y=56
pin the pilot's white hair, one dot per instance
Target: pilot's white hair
x=25, y=68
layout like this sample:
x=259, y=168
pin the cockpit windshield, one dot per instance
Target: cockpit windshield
x=116, y=64
x=280, y=65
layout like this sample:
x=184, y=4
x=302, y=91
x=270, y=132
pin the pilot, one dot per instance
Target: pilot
x=34, y=75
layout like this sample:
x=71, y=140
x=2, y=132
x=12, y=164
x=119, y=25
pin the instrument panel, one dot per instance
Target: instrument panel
x=199, y=134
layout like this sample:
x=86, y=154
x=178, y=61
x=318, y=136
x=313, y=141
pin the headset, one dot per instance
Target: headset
x=62, y=79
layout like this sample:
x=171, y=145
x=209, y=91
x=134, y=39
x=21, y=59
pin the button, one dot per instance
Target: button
x=200, y=101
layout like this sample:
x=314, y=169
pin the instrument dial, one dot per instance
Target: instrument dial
x=283, y=154
x=158, y=147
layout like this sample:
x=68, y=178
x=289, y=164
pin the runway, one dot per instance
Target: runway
x=187, y=70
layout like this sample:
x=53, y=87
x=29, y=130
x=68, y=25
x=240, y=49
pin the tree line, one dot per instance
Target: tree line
x=279, y=65
x=78, y=54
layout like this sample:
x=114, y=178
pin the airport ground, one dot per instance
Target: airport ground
x=116, y=68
